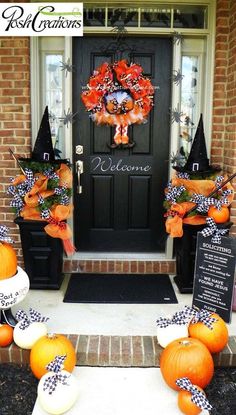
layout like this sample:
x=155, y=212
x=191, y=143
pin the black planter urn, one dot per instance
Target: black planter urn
x=185, y=252
x=43, y=255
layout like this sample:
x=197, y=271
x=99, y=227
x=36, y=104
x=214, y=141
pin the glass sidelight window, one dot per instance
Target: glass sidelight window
x=191, y=90
x=52, y=87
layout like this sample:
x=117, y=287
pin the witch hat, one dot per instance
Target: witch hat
x=198, y=162
x=43, y=148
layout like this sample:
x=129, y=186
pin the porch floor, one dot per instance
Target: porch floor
x=112, y=390
x=103, y=319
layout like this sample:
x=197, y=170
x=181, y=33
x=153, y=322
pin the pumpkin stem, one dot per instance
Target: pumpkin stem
x=51, y=335
x=184, y=342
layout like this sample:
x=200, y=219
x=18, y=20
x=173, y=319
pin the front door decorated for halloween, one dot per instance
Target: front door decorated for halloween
x=122, y=167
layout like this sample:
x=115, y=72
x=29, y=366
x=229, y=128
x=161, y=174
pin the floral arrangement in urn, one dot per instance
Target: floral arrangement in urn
x=43, y=189
x=197, y=194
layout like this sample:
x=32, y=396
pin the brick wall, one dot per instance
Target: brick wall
x=223, y=150
x=14, y=117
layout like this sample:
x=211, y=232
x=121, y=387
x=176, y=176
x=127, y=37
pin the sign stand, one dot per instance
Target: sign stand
x=214, y=275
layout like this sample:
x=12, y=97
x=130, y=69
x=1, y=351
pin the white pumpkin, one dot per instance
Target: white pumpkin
x=62, y=398
x=25, y=338
x=13, y=290
x=165, y=335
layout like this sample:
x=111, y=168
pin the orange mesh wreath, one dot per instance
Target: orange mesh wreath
x=118, y=94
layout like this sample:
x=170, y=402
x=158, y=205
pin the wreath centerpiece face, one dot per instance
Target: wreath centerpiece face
x=118, y=94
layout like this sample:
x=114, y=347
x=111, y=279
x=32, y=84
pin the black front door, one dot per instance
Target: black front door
x=120, y=207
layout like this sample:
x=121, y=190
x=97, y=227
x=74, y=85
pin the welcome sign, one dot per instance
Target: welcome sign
x=41, y=19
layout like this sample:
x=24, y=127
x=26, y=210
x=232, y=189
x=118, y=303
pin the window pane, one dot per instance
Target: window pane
x=155, y=17
x=125, y=17
x=190, y=94
x=54, y=93
x=190, y=17
x=94, y=17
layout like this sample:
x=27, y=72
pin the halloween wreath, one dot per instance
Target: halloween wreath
x=118, y=94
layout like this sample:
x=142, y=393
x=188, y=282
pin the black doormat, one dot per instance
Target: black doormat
x=120, y=288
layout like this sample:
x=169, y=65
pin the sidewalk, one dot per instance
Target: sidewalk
x=114, y=391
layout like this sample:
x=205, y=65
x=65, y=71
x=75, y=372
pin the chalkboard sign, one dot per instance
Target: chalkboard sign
x=214, y=275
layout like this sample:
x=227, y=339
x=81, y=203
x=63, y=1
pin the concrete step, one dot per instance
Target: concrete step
x=116, y=391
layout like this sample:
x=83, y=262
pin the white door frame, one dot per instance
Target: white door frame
x=207, y=99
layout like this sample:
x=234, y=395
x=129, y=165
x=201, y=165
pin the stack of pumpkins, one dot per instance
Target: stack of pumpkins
x=46, y=350
x=190, y=356
x=14, y=284
x=32, y=334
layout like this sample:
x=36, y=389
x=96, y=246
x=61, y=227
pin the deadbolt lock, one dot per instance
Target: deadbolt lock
x=79, y=149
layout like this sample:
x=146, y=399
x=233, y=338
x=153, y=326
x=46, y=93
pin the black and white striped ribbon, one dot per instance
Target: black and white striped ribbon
x=3, y=235
x=196, y=315
x=64, y=198
x=183, y=175
x=174, y=193
x=52, y=381
x=180, y=318
x=25, y=320
x=51, y=174
x=212, y=230
x=203, y=203
x=198, y=397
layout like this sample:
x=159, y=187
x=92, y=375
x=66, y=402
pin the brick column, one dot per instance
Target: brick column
x=14, y=118
x=223, y=148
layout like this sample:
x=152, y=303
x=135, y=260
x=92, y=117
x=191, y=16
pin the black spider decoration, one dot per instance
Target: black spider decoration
x=118, y=44
x=178, y=38
x=67, y=66
x=68, y=117
x=178, y=158
x=120, y=29
x=177, y=77
x=176, y=116
x=188, y=121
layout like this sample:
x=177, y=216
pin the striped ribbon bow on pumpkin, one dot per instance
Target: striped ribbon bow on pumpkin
x=195, y=315
x=213, y=231
x=25, y=320
x=198, y=397
x=52, y=381
x=180, y=318
x=3, y=235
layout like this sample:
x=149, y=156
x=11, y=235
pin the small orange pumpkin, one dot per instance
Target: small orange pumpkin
x=8, y=261
x=186, y=405
x=6, y=335
x=47, y=348
x=186, y=357
x=219, y=216
x=215, y=339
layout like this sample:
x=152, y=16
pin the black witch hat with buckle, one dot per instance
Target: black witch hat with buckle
x=43, y=148
x=198, y=162
x=43, y=151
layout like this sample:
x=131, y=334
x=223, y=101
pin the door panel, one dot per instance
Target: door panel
x=120, y=207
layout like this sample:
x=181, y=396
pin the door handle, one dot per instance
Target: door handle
x=79, y=170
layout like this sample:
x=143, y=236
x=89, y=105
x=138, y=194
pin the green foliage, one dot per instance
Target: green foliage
x=52, y=183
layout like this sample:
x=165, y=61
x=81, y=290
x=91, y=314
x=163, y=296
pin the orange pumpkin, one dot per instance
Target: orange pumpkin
x=219, y=216
x=47, y=348
x=8, y=261
x=6, y=335
x=186, y=357
x=216, y=339
x=186, y=405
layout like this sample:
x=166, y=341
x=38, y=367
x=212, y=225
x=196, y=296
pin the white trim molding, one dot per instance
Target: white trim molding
x=65, y=44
